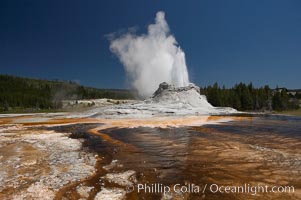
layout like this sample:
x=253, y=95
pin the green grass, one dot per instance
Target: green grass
x=291, y=112
x=28, y=110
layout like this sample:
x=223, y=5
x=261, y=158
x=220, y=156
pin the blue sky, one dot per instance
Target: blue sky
x=224, y=41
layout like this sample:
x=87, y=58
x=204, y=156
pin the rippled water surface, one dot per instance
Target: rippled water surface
x=257, y=150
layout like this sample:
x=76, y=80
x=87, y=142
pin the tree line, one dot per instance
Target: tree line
x=36, y=94
x=19, y=92
x=245, y=97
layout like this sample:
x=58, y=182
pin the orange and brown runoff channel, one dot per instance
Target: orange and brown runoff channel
x=199, y=155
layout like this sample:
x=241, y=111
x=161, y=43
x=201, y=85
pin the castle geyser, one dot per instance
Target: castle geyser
x=152, y=58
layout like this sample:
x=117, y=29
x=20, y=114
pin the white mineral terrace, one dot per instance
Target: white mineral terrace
x=38, y=163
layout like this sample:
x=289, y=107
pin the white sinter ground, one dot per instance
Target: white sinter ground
x=166, y=101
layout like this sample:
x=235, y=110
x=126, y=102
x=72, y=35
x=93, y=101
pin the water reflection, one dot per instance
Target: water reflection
x=248, y=150
x=263, y=150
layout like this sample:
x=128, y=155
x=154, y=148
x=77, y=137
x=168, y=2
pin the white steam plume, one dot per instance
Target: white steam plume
x=151, y=58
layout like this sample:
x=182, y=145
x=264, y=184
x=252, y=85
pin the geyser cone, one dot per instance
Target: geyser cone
x=168, y=100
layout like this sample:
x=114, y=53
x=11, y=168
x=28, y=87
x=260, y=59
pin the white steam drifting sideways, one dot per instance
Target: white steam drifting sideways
x=151, y=58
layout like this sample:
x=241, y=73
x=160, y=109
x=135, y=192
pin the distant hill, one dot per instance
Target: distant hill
x=22, y=93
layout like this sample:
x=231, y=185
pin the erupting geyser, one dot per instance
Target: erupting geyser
x=149, y=60
x=152, y=58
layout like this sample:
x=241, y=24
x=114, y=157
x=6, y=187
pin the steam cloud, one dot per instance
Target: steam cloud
x=151, y=58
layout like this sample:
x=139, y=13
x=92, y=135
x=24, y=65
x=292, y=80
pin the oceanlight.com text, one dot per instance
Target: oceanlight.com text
x=157, y=188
